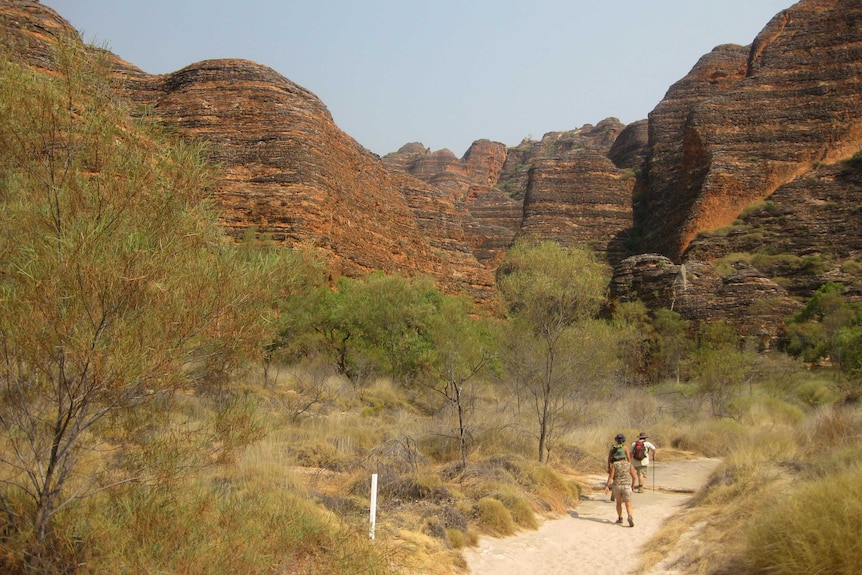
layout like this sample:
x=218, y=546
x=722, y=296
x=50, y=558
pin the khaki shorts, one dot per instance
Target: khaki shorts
x=622, y=492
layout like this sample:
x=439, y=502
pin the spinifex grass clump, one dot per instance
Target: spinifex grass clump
x=813, y=529
x=227, y=525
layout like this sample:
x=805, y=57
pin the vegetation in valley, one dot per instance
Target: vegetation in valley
x=173, y=401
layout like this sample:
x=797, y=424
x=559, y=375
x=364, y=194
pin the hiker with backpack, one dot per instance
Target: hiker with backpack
x=619, y=450
x=641, y=452
x=621, y=477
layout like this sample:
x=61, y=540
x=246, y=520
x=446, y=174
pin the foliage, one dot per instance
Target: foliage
x=118, y=286
x=652, y=344
x=720, y=368
x=120, y=298
x=828, y=327
x=463, y=350
x=373, y=325
x=553, y=345
x=226, y=524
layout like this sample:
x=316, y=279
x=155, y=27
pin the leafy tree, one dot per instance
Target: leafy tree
x=390, y=315
x=550, y=292
x=824, y=327
x=377, y=324
x=670, y=343
x=848, y=351
x=463, y=350
x=720, y=368
x=116, y=281
x=635, y=329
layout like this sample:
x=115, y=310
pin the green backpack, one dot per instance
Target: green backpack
x=618, y=452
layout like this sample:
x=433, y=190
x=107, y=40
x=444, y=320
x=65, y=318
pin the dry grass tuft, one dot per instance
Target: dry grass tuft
x=494, y=518
x=812, y=529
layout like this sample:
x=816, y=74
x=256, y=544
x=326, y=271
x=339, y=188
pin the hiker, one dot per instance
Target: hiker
x=620, y=480
x=641, y=451
x=619, y=450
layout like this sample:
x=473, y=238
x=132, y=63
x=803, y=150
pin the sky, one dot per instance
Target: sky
x=444, y=73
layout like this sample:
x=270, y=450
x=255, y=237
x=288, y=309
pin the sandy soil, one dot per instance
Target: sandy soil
x=587, y=542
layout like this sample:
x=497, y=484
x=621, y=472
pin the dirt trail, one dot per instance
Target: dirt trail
x=587, y=542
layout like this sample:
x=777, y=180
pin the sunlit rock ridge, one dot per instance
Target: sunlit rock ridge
x=750, y=153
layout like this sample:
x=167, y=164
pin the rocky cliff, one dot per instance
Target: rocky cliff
x=734, y=200
x=750, y=185
x=287, y=170
x=746, y=121
x=564, y=187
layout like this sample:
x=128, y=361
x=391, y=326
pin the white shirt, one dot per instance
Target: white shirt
x=648, y=447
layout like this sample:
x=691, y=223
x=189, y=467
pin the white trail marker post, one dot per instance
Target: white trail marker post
x=373, y=504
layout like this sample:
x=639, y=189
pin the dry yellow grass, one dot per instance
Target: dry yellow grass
x=777, y=484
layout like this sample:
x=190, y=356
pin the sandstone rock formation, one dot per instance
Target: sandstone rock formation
x=747, y=174
x=631, y=147
x=807, y=232
x=579, y=200
x=745, y=298
x=492, y=218
x=746, y=121
x=563, y=187
x=739, y=178
x=287, y=170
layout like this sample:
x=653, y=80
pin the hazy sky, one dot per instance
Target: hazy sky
x=442, y=72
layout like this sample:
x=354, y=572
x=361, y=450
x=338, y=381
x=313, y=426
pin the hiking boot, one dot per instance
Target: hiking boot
x=631, y=521
x=619, y=521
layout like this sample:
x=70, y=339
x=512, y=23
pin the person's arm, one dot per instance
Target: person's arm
x=611, y=475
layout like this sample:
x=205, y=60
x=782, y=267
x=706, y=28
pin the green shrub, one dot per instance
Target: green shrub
x=852, y=267
x=725, y=266
x=814, y=529
x=764, y=208
x=817, y=392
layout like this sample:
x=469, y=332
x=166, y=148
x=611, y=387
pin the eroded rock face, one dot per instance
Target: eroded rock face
x=806, y=233
x=563, y=188
x=743, y=156
x=631, y=147
x=734, y=130
x=491, y=217
x=583, y=199
x=745, y=298
x=286, y=169
x=292, y=174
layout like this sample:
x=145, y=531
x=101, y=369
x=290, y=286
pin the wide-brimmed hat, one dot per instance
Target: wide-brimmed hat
x=643, y=435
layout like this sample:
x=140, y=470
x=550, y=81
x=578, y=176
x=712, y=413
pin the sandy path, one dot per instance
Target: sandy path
x=587, y=542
